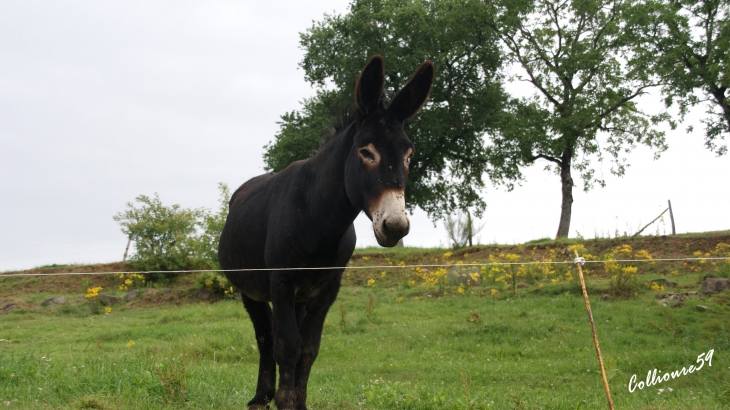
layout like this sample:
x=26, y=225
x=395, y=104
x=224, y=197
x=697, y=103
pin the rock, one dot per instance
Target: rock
x=11, y=306
x=109, y=299
x=149, y=292
x=702, y=308
x=715, y=285
x=131, y=295
x=605, y=297
x=464, y=275
x=56, y=300
x=203, y=294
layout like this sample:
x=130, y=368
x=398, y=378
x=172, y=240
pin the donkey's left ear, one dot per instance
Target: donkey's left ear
x=414, y=94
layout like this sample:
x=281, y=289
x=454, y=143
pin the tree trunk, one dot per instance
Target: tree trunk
x=468, y=222
x=567, y=187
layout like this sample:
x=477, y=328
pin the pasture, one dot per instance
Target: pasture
x=391, y=341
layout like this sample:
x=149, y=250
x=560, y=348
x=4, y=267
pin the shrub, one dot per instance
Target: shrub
x=171, y=238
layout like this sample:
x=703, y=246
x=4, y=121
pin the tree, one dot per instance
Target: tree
x=447, y=171
x=461, y=229
x=577, y=56
x=688, y=45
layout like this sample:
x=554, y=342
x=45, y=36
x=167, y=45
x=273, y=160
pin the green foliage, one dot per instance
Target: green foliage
x=448, y=168
x=169, y=238
x=172, y=379
x=687, y=44
x=216, y=283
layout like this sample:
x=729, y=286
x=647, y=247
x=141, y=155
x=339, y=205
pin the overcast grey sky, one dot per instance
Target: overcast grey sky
x=104, y=101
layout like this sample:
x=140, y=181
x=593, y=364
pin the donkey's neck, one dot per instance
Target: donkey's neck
x=327, y=199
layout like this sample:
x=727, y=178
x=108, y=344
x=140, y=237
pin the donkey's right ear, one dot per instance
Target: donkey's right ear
x=369, y=87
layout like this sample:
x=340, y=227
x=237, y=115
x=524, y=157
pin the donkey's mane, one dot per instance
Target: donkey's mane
x=342, y=118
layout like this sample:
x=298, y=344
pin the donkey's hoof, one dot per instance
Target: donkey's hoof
x=286, y=400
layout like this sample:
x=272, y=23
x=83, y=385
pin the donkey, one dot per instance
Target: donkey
x=302, y=217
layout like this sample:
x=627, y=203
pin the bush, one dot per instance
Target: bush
x=171, y=238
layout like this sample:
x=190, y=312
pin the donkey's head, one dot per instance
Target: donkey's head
x=377, y=167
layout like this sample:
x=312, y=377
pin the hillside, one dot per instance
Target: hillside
x=658, y=247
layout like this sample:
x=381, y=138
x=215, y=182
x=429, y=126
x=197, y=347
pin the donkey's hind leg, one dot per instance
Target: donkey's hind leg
x=260, y=313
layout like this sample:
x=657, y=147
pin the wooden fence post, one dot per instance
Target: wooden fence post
x=671, y=217
x=124, y=259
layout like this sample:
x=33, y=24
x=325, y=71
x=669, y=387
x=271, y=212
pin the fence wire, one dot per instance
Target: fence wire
x=444, y=265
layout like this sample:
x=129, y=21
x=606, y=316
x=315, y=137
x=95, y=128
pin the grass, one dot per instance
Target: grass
x=394, y=345
x=530, y=350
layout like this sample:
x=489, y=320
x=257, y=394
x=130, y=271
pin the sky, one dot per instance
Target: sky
x=103, y=101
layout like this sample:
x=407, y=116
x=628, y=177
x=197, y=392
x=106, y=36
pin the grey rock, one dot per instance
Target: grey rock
x=605, y=297
x=150, y=292
x=109, y=299
x=131, y=295
x=702, y=308
x=462, y=275
x=715, y=285
x=11, y=306
x=203, y=294
x=56, y=300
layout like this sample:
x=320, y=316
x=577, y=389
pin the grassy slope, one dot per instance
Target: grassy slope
x=530, y=350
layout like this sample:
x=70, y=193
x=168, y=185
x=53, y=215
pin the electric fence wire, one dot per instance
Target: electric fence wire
x=445, y=265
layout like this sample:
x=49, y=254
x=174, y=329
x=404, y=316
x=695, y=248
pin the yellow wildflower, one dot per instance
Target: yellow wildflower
x=130, y=344
x=371, y=282
x=92, y=293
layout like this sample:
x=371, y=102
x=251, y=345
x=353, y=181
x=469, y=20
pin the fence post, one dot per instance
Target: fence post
x=124, y=259
x=578, y=263
x=671, y=217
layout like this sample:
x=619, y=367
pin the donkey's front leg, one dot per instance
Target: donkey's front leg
x=310, y=329
x=287, y=341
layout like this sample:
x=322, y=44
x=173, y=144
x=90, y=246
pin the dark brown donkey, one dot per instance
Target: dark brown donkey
x=302, y=218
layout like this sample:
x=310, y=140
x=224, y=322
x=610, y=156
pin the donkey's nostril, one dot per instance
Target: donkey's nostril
x=396, y=227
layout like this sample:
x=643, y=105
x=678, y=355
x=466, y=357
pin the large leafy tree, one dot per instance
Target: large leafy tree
x=448, y=169
x=687, y=43
x=577, y=57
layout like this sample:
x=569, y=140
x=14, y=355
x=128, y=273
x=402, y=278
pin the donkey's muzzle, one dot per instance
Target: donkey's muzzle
x=390, y=222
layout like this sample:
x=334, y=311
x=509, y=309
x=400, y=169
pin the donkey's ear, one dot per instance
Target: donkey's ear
x=369, y=87
x=413, y=95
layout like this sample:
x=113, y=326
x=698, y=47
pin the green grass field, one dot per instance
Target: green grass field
x=387, y=346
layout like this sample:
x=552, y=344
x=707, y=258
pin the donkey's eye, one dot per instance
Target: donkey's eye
x=367, y=154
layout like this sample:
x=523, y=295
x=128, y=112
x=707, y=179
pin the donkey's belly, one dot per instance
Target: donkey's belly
x=310, y=287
